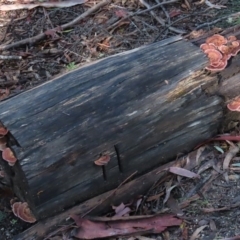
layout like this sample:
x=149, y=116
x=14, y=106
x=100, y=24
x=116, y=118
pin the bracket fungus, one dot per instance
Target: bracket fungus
x=103, y=160
x=22, y=211
x=217, y=40
x=234, y=105
x=7, y=153
x=8, y=156
x=219, y=50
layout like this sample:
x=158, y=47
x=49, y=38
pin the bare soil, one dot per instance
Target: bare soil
x=108, y=31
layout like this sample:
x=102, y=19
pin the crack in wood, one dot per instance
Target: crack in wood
x=104, y=172
x=120, y=167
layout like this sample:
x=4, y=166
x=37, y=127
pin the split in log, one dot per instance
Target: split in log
x=140, y=107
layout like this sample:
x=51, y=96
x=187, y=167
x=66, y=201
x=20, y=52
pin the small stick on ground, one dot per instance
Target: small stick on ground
x=159, y=19
x=41, y=36
x=2, y=57
x=217, y=20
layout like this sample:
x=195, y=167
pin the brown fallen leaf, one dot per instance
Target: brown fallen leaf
x=154, y=197
x=233, y=150
x=110, y=228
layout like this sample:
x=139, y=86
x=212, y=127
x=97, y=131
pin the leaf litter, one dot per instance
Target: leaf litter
x=209, y=200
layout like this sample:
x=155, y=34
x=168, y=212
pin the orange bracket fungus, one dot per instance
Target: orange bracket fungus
x=7, y=153
x=234, y=105
x=8, y=156
x=103, y=160
x=219, y=50
x=22, y=211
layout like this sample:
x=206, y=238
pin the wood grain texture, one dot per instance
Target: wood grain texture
x=141, y=107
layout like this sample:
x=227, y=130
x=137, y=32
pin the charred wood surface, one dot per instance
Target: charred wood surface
x=141, y=107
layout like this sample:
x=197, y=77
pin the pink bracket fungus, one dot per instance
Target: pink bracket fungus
x=231, y=38
x=219, y=50
x=218, y=66
x=206, y=46
x=103, y=160
x=22, y=211
x=234, y=105
x=214, y=55
x=8, y=156
x=217, y=40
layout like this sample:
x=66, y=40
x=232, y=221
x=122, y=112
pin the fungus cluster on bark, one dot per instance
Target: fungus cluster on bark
x=7, y=153
x=219, y=50
x=234, y=105
x=22, y=211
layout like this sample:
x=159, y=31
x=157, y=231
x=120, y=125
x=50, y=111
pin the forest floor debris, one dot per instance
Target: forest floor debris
x=114, y=27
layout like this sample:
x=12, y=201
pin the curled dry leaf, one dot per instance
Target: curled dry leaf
x=103, y=160
x=22, y=211
x=183, y=172
x=233, y=150
x=121, y=210
x=8, y=156
x=195, y=235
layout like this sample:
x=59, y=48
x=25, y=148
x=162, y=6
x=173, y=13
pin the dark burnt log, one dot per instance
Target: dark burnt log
x=141, y=107
x=102, y=203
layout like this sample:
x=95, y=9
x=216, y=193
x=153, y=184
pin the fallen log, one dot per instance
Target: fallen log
x=140, y=108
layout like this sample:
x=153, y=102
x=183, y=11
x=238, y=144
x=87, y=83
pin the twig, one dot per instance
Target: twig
x=216, y=6
x=155, y=6
x=2, y=57
x=41, y=36
x=217, y=20
x=159, y=19
x=165, y=12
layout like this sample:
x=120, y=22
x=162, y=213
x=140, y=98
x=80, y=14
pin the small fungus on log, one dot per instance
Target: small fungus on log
x=8, y=156
x=217, y=40
x=103, y=160
x=3, y=131
x=22, y=211
x=219, y=50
